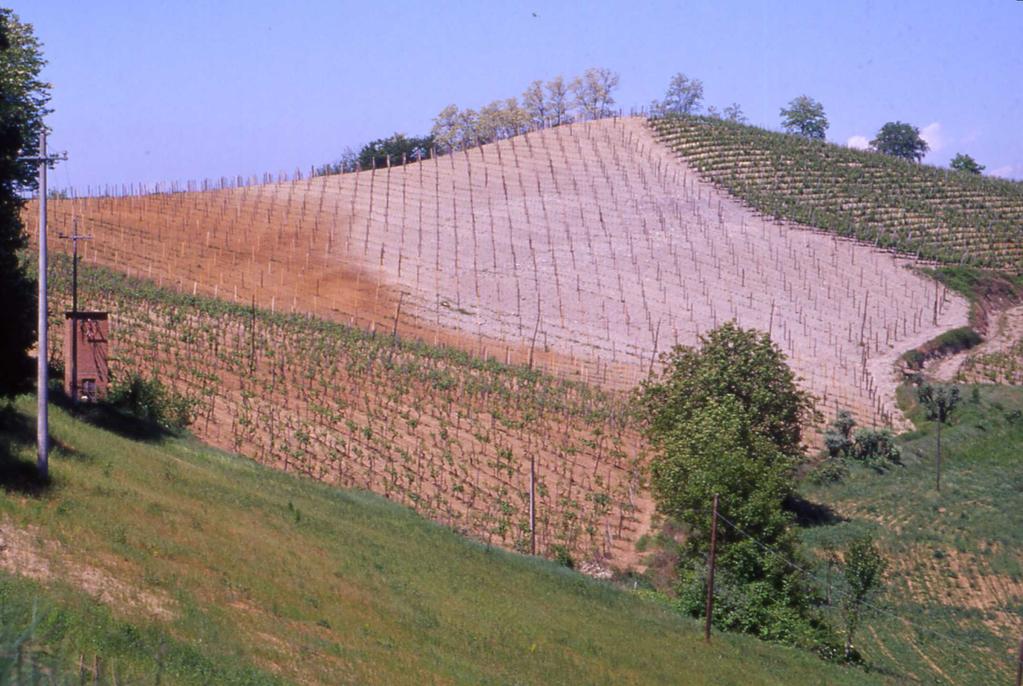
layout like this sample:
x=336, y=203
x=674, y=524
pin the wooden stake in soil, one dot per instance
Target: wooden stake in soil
x=532, y=504
x=1019, y=665
x=710, y=573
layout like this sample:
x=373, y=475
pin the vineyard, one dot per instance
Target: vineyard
x=433, y=428
x=583, y=250
x=937, y=214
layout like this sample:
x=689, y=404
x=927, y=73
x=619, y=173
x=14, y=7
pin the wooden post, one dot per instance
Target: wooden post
x=1019, y=665
x=532, y=504
x=710, y=573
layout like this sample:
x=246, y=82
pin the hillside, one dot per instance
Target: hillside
x=586, y=249
x=208, y=568
x=428, y=426
x=951, y=614
x=915, y=209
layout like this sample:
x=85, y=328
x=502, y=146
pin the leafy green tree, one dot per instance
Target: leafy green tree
x=23, y=104
x=397, y=148
x=965, y=163
x=805, y=116
x=731, y=361
x=726, y=419
x=863, y=571
x=684, y=95
x=939, y=402
x=899, y=139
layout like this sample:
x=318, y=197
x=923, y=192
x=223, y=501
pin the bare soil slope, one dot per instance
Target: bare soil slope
x=589, y=248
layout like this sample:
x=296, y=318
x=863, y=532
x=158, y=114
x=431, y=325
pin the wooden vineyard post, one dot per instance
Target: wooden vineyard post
x=710, y=572
x=532, y=504
x=1019, y=664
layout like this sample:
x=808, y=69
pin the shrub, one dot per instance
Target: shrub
x=876, y=448
x=150, y=401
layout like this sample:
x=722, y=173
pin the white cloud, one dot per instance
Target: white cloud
x=858, y=142
x=933, y=136
x=1005, y=171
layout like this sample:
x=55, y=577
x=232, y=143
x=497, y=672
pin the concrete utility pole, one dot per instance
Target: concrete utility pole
x=42, y=412
x=74, y=238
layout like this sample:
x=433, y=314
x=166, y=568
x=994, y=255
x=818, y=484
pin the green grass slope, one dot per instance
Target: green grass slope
x=953, y=609
x=948, y=216
x=209, y=568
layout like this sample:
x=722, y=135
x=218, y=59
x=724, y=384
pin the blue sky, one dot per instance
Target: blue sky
x=156, y=90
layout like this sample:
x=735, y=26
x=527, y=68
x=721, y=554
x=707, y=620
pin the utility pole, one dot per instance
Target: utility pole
x=42, y=411
x=74, y=238
x=710, y=573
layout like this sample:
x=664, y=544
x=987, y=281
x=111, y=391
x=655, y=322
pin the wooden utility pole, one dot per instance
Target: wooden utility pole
x=710, y=573
x=74, y=238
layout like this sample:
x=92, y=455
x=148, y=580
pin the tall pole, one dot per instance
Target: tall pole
x=42, y=392
x=75, y=324
x=710, y=573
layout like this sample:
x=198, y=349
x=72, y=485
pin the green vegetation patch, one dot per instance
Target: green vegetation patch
x=256, y=576
x=949, y=216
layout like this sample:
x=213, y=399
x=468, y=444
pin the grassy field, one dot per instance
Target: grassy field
x=953, y=606
x=212, y=569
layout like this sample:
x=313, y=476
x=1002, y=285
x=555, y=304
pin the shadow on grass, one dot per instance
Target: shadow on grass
x=809, y=514
x=17, y=474
x=111, y=418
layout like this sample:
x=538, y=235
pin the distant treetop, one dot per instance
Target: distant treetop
x=899, y=139
x=804, y=116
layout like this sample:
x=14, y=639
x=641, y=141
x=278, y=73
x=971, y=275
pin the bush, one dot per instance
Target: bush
x=876, y=448
x=830, y=471
x=150, y=401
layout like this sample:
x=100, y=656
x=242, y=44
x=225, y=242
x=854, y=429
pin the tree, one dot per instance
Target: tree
x=557, y=101
x=446, y=129
x=684, y=95
x=734, y=113
x=939, y=402
x=535, y=104
x=348, y=162
x=397, y=148
x=742, y=363
x=502, y=119
x=863, y=570
x=725, y=419
x=900, y=140
x=965, y=163
x=805, y=117
x=23, y=104
x=593, y=92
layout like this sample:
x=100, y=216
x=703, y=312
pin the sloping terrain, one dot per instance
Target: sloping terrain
x=939, y=214
x=431, y=427
x=951, y=612
x=586, y=249
x=257, y=577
